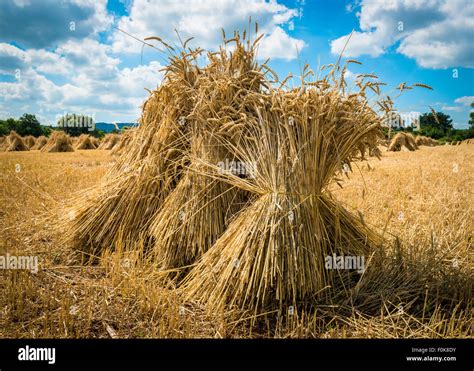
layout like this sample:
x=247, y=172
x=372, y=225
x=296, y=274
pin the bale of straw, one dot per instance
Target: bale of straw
x=59, y=141
x=402, y=140
x=122, y=144
x=258, y=238
x=84, y=142
x=41, y=141
x=411, y=142
x=103, y=141
x=3, y=141
x=95, y=141
x=431, y=142
x=14, y=143
x=420, y=140
x=30, y=141
x=109, y=141
x=273, y=252
x=140, y=180
x=425, y=141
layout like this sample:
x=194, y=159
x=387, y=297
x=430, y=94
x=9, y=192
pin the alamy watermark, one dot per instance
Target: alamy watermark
x=239, y=168
x=76, y=121
x=10, y=262
x=345, y=262
x=402, y=120
x=37, y=354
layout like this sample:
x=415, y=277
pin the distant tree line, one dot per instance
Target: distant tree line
x=434, y=125
x=439, y=126
x=28, y=124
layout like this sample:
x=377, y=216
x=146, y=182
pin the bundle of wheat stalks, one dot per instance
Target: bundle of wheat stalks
x=58, y=141
x=95, y=141
x=40, y=142
x=123, y=142
x=425, y=141
x=13, y=142
x=403, y=140
x=109, y=141
x=227, y=180
x=30, y=141
x=85, y=141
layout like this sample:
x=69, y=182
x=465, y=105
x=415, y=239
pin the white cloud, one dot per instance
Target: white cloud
x=135, y=80
x=203, y=20
x=95, y=83
x=11, y=58
x=466, y=100
x=359, y=43
x=48, y=62
x=452, y=108
x=63, y=70
x=436, y=33
x=461, y=104
x=279, y=45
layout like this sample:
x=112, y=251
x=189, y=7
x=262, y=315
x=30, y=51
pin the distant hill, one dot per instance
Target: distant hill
x=108, y=126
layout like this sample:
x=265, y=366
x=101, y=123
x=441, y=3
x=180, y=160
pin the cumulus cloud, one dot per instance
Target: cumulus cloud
x=63, y=71
x=95, y=83
x=279, y=45
x=11, y=58
x=452, y=108
x=436, y=33
x=203, y=20
x=46, y=23
x=460, y=104
x=465, y=101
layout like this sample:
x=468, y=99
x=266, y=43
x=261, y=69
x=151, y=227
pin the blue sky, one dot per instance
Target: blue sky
x=69, y=57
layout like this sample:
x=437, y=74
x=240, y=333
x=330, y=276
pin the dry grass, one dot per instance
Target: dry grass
x=420, y=201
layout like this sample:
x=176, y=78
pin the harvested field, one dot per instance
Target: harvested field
x=422, y=200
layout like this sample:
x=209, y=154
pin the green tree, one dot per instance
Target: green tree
x=26, y=125
x=46, y=130
x=438, y=123
x=29, y=125
x=8, y=125
x=98, y=133
x=471, y=117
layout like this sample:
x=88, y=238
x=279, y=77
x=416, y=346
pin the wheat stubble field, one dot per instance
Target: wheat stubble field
x=420, y=286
